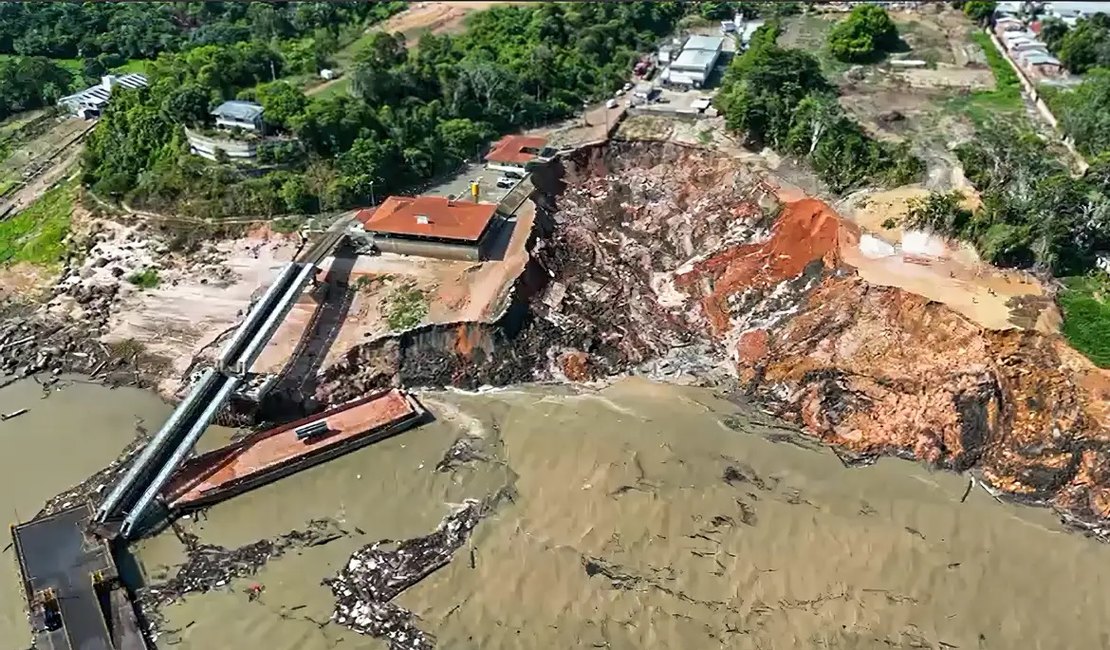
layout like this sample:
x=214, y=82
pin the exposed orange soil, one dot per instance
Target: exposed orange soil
x=805, y=231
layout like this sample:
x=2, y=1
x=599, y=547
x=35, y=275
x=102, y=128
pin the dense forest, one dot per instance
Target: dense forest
x=143, y=30
x=411, y=114
x=28, y=82
x=778, y=97
x=51, y=48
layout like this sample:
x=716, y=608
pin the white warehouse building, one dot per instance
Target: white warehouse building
x=694, y=66
x=90, y=102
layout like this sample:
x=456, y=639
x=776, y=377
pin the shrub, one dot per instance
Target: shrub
x=145, y=279
x=865, y=35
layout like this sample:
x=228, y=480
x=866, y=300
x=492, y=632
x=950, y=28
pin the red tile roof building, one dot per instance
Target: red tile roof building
x=429, y=217
x=516, y=150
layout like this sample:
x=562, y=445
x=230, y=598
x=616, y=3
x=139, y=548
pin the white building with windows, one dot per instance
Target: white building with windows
x=239, y=114
x=694, y=65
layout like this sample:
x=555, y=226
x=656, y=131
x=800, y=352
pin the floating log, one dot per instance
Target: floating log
x=17, y=413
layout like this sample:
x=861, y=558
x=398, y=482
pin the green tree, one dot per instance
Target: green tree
x=865, y=35
x=1086, y=118
x=297, y=198
x=716, y=10
x=281, y=102
x=979, y=10
x=28, y=82
x=767, y=84
x=778, y=98
x=189, y=104
x=1087, y=45
x=462, y=137
x=1053, y=31
x=939, y=212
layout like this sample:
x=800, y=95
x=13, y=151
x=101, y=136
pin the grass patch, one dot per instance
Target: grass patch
x=983, y=106
x=132, y=65
x=37, y=235
x=406, y=308
x=810, y=32
x=341, y=86
x=6, y=185
x=145, y=279
x=76, y=67
x=1085, y=302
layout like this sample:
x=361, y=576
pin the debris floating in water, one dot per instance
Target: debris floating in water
x=464, y=450
x=377, y=573
x=211, y=566
x=16, y=413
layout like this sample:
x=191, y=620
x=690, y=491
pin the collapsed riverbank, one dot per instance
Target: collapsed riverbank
x=678, y=263
x=675, y=262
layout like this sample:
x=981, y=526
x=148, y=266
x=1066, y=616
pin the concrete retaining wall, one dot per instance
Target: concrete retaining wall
x=205, y=146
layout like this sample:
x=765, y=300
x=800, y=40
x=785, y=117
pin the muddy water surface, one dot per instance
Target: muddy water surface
x=63, y=438
x=646, y=516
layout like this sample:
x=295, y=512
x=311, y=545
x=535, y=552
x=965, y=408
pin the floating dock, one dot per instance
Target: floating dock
x=71, y=584
x=266, y=456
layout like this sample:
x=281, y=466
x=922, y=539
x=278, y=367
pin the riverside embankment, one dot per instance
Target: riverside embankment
x=679, y=263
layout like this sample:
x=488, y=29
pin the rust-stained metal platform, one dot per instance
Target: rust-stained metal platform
x=266, y=456
x=70, y=583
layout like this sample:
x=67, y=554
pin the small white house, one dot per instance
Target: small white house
x=239, y=114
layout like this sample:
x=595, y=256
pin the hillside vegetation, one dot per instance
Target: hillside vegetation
x=411, y=115
x=778, y=97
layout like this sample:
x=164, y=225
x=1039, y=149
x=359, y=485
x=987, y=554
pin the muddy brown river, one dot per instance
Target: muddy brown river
x=646, y=516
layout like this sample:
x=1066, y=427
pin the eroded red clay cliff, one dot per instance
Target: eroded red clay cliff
x=875, y=370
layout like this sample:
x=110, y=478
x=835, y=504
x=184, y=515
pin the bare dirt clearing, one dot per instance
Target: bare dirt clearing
x=914, y=104
x=419, y=19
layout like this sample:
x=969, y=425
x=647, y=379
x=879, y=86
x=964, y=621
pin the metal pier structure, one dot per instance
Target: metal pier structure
x=131, y=499
x=72, y=586
x=71, y=583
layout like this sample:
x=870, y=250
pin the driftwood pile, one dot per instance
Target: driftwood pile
x=377, y=573
x=211, y=566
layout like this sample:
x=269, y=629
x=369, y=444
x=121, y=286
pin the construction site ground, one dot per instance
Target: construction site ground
x=387, y=291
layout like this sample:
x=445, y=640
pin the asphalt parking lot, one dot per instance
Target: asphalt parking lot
x=459, y=186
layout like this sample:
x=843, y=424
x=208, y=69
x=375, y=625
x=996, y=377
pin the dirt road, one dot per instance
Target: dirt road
x=419, y=19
